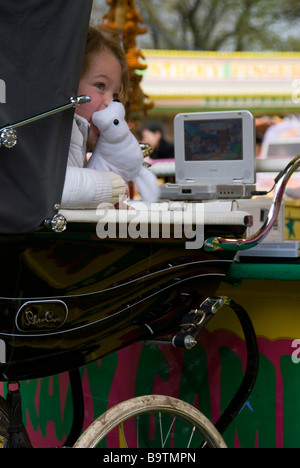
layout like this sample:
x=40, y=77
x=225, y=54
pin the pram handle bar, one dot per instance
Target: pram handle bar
x=219, y=243
x=8, y=135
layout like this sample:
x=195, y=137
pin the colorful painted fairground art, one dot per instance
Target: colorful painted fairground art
x=206, y=376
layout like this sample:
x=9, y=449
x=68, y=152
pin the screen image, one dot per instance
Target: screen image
x=213, y=140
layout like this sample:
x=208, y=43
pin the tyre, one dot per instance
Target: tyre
x=151, y=421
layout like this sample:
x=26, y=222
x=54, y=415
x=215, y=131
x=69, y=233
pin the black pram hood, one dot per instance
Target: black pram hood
x=41, y=50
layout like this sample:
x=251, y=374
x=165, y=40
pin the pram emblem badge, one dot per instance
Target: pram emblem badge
x=41, y=316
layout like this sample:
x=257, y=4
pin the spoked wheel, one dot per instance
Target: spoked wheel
x=4, y=424
x=151, y=421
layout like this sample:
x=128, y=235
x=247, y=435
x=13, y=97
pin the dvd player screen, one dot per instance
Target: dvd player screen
x=213, y=140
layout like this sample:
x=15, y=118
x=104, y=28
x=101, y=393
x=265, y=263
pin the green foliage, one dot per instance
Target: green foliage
x=215, y=25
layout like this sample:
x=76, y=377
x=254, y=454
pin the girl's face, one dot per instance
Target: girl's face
x=103, y=83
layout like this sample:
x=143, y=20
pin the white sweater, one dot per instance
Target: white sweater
x=87, y=188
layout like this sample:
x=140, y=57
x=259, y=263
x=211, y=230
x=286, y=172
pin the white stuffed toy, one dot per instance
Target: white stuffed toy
x=117, y=150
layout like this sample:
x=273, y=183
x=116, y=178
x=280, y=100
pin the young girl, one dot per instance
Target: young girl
x=104, y=77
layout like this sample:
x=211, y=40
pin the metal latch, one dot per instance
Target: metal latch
x=192, y=323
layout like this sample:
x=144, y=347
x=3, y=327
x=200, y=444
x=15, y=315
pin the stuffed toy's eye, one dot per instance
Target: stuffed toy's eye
x=116, y=122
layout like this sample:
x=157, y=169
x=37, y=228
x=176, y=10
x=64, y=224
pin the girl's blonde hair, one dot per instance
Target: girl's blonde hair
x=98, y=40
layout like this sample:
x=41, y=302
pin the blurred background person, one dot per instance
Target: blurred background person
x=153, y=134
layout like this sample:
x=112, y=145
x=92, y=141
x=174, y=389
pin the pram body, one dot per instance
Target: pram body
x=67, y=299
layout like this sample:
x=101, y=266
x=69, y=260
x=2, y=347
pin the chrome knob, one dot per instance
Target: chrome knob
x=8, y=138
x=57, y=224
